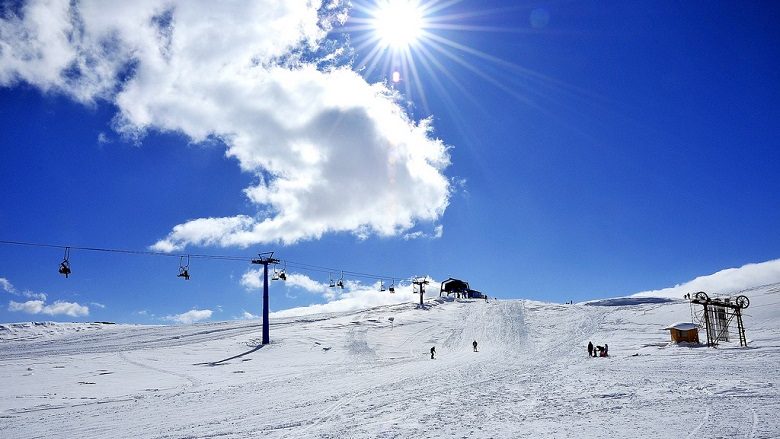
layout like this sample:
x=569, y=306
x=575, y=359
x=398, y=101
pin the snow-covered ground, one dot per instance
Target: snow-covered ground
x=358, y=374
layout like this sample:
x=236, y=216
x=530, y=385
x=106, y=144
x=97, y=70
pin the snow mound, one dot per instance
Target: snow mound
x=35, y=330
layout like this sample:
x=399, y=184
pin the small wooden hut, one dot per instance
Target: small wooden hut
x=684, y=332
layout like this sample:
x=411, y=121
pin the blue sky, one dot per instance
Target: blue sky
x=548, y=150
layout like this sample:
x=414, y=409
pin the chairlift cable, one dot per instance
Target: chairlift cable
x=293, y=264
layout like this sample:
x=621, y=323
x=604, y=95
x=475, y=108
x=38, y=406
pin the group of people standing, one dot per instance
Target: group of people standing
x=598, y=351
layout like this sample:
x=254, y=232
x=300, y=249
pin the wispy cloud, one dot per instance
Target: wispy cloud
x=726, y=281
x=97, y=305
x=71, y=309
x=8, y=287
x=437, y=233
x=191, y=316
x=103, y=138
x=308, y=134
x=245, y=315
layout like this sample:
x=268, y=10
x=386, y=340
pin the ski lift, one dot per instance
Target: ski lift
x=184, y=269
x=280, y=274
x=65, y=264
x=340, y=283
x=283, y=272
x=381, y=285
x=392, y=287
x=331, y=284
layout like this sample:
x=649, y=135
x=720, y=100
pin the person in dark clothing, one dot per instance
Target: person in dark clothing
x=475, y=345
x=606, y=350
x=433, y=352
x=590, y=349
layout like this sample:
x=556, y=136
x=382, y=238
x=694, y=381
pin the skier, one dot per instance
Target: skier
x=590, y=349
x=475, y=345
x=606, y=350
x=433, y=352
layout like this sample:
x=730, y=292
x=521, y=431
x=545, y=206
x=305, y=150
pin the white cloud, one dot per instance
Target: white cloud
x=353, y=296
x=437, y=233
x=72, y=309
x=726, y=281
x=32, y=295
x=245, y=315
x=297, y=280
x=252, y=279
x=98, y=305
x=68, y=308
x=7, y=286
x=191, y=316
x=329, y=152
x=29, y=307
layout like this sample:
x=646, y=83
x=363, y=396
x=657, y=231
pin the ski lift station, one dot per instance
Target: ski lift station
x=460, y=289
x=684, y=332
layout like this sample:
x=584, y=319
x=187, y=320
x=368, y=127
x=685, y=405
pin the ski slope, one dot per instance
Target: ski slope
x=357, y=374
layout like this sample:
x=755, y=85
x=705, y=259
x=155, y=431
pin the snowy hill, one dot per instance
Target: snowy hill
x=358, y=374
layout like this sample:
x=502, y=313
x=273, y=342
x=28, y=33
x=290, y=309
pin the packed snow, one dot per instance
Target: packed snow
x=369, y=374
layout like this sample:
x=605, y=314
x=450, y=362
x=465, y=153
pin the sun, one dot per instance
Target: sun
x=398, y=24
x=415, y=47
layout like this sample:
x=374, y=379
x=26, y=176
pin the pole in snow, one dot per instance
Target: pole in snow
x=265, y=259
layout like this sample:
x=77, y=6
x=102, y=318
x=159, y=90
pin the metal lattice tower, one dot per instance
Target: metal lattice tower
x=718, y=315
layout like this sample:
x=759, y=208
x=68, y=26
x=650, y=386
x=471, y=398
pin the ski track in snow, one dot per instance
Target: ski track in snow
x=357, y=375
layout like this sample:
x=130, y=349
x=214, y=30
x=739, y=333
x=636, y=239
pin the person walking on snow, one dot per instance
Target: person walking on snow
x=475, y=345
x=433, y=352
x=590, y=349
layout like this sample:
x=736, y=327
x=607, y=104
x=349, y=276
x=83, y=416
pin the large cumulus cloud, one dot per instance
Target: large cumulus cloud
x=329, y=151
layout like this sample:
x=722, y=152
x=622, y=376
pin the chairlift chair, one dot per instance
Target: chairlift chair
x=65, y=264
x=381, y=285
x=331, y=284
x=392, y=287
x=184, y=269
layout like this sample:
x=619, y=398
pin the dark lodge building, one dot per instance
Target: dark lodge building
x=460, y=289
